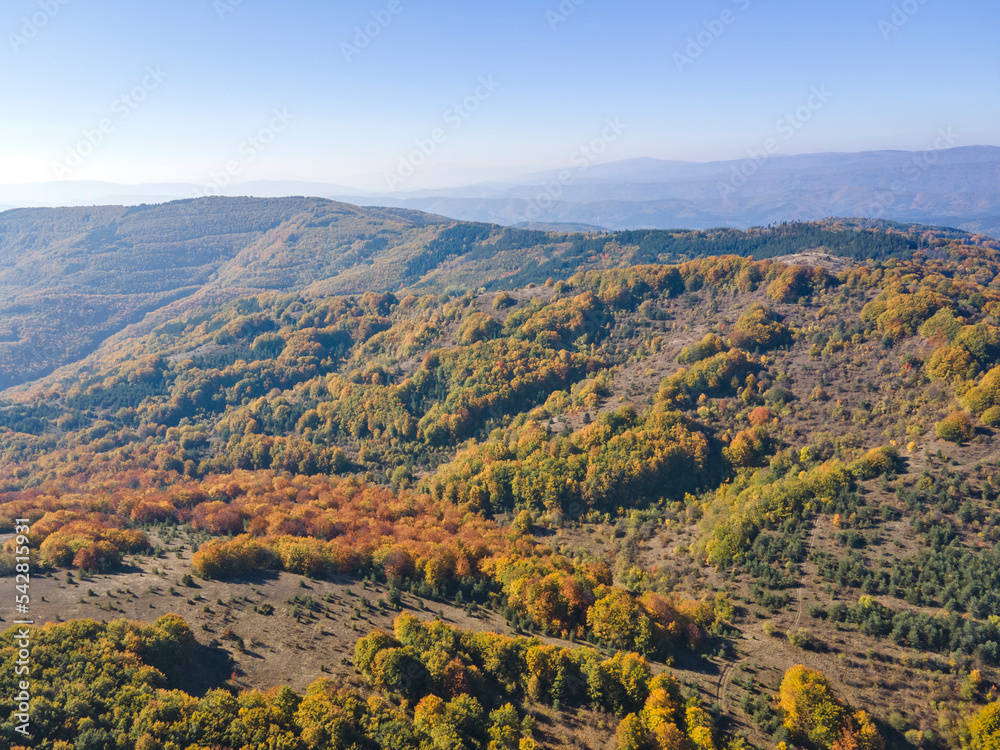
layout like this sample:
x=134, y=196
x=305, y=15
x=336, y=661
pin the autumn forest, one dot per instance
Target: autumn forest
x=512, y=489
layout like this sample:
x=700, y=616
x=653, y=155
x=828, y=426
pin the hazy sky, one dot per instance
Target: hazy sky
x=175, y=91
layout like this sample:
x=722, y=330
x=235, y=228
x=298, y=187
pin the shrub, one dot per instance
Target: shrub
x=991, y=417
x=955, y=428
x=876, y=462
x=707, y=347
x=802, y=638
x=503, y=301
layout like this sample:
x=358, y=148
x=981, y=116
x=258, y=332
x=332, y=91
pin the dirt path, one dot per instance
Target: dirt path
x=802, y=588
x=720, y=693
x=753, y=648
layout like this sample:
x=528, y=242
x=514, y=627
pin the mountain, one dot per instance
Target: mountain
x=708, y=504
x=957, y=187
x=95, y=193
x=72, y=278
x=563, y=228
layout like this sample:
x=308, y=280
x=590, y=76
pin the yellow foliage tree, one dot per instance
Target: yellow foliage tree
x=699, y=727
x=812, y=712
x=984, y=729
x=631, y=733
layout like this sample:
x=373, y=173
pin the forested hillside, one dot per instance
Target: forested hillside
x=70, y=278
x=722, y=502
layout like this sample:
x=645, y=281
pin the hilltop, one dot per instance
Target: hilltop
x=71, y=278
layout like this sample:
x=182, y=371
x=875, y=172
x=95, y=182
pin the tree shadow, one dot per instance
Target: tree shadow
x=258, y=576
x=205, y=669
x=693, y=662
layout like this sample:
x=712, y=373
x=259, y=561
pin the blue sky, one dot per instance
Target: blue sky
x=697, y=80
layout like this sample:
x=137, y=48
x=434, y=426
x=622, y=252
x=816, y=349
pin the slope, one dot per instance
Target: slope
x=684, y=461
x=70, y=279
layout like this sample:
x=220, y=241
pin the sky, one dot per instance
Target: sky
x=359, y=92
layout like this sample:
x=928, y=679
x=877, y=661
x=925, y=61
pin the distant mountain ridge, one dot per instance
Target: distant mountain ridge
x=958, y=187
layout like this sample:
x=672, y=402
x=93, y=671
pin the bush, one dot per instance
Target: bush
x=991, y=417
x=876, y=462
x=778, y=396
x=802, y=638
x=707, y=347
x=394, y=597
x=956, y=428
x=503, y=301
